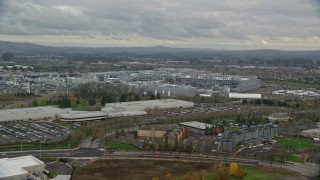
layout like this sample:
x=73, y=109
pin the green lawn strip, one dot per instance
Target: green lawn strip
x=211, y=175
x=41, y=102
x=294, y=143
x=52, y=174
x=17, y=147
x=16, y=106
x=120, y=146
x=80, y=107
x=255, y=173
x=7, y=97
x=294, y=158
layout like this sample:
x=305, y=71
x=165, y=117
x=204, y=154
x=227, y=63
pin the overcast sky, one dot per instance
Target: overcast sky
x=219, y=24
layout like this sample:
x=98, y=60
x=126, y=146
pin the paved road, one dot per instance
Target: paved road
x=307, y=169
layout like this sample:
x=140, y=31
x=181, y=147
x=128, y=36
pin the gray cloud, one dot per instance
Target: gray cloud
x=178, y=22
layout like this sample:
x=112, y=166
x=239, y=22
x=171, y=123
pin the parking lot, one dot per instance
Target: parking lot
x=202, y=108
x=26, y=132
x=257, y=149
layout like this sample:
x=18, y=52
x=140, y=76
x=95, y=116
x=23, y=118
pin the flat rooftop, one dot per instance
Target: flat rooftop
x=140, y=107
x=244, y=96
x=34, y=113
x=83, y=114
x=196, y=124
x=15, y=166
x=110, y=110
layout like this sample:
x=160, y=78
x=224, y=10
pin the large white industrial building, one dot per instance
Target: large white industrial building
x=134, y=108
x=22, y=168
x=244, y=96
x=29, y=114
x=76, y=116
x=166, y=89
x=139, y=107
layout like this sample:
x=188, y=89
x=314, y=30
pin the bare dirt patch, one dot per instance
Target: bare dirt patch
x=136, y=169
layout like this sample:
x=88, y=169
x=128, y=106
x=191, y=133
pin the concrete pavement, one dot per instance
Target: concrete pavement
x=62, y=177
x=306, y=169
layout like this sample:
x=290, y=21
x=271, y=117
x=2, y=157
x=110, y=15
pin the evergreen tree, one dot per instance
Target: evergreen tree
x=65, y=103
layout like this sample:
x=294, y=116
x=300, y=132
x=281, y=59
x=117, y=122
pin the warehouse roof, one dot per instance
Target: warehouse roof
x=110, y=110
x=15, y=166
x=139, y=107
x=83, y=114
x=196, y=124
x=244, y=96
x=30, y=113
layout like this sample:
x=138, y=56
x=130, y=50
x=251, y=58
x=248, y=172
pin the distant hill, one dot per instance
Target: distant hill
x=29, y=47
x=196, y=52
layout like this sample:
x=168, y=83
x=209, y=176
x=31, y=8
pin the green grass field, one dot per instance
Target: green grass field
x=264, y=173
x=120, y=146
x=80, y=107
x=294, y=143
x=294, y=158
x=17, y=147
x=16, y=106
x=231, y=128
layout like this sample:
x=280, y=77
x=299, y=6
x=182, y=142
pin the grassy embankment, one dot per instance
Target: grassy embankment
x=119, y=146
x=32, y=146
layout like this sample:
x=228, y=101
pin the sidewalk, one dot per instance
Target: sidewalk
x=62, y=177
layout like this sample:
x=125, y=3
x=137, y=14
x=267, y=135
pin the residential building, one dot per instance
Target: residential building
x=247, y=137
